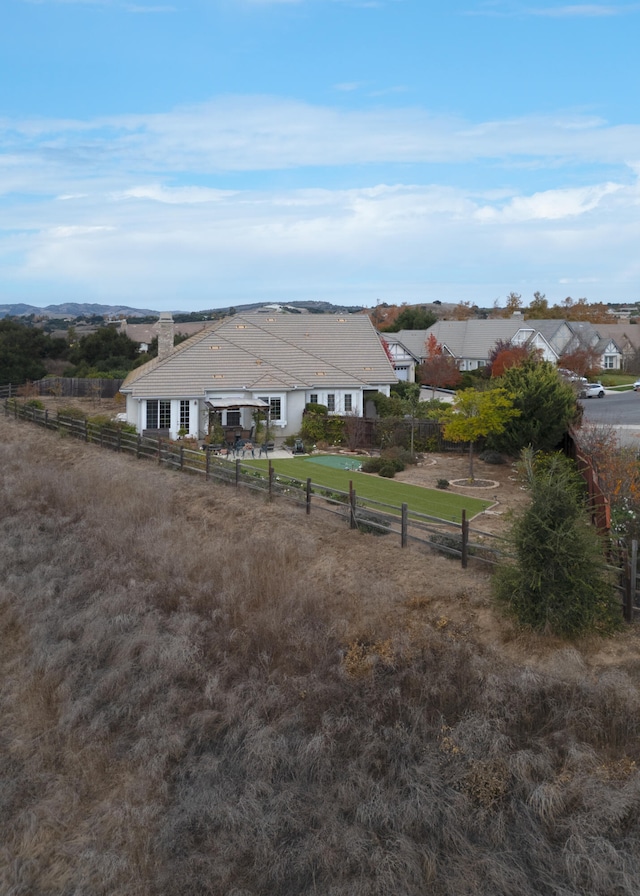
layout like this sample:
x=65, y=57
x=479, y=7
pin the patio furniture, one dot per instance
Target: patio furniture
x=265, y=448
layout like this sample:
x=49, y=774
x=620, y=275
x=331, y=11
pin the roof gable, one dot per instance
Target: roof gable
x=269, y=353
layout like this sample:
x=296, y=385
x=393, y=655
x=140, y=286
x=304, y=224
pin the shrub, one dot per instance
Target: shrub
x=74, y=413
x=388, y=469
x=35, y=403
x=372, y=523
x=372, y=465
x=492, y=457
x=442, y=483
x=559, y=581
x=399, y=455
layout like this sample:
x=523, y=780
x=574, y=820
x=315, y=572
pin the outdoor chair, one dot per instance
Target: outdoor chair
x=265, y=448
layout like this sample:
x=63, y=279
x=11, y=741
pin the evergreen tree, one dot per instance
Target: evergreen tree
x=412, y=317
x=547, y=407
x=23, y=350
x=559, y=581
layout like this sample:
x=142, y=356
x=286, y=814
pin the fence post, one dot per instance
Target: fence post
x=86, y=431
x=138, y=446
x=630, y=590
x=207, y=464
x=182, y=457
x=46, y=418
x=464, y=528
x=308, y=496
x=159, y=450
x=404, y=523
x=237, y=472
x=352, y=504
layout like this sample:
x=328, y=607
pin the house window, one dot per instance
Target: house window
x=158, y=414
x=609, y=362
x=233, y=417
x=184, y=415
x=348, y=403
x=313, y=398
x=275, y=407
x=331, y=402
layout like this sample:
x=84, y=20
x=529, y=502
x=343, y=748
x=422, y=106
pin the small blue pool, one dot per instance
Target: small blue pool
x=337, y=461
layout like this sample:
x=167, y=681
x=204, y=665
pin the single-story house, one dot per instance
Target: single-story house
x=471, y=342
x=277, y=363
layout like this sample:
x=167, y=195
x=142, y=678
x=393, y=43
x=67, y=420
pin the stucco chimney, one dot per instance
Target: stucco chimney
x=165, y=334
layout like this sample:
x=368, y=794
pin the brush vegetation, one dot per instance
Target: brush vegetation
x=203, y=693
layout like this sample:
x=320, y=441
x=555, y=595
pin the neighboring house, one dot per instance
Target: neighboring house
x=626, y=338
x=471, y=342
x=404, y=361
x=275, y=362
x=570, y=336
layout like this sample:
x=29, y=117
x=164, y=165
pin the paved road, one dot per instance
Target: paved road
x=619, y=409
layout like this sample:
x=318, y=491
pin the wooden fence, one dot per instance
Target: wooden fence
x=401, y=524
x=66, y=387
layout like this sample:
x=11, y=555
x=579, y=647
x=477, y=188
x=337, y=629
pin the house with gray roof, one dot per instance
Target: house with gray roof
x=275, y=362
x=471, y=342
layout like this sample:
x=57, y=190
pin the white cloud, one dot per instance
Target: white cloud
x=264, y=133
x=589, y=10
x=174, y=195
x=551, y=205
x=130, y=207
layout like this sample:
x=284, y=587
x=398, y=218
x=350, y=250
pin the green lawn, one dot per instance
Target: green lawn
x=439, y=503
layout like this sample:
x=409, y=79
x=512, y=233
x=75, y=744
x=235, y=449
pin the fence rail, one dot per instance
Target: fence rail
x=404, y=525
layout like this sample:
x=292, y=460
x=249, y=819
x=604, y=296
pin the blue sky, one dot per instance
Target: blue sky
x=192, y=154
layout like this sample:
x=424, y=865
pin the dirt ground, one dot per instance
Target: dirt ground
x=502, y=485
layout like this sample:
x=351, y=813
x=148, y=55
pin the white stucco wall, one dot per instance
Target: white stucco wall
x=292, y=405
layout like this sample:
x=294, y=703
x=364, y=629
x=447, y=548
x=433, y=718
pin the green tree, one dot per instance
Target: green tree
x=539, y=307
x=476, y=413
x=546, y=403
x=559, y=581
x=23, y=350
x=513, y=305
x=107, y=350
x=413, y=317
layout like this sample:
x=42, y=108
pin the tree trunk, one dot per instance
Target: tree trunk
x=470, y=461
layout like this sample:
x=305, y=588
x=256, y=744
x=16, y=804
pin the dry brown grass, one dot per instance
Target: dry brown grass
x=203, y=693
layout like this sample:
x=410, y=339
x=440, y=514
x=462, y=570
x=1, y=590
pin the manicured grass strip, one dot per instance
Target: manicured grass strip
x=442, y=504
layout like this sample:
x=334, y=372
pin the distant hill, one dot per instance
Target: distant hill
x=86, y=309
x=72, y=309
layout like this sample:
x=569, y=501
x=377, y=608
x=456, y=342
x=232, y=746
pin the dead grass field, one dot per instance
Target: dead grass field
x=204, y=693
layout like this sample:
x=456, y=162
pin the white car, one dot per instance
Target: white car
x=636, y=386
x=571, y=376
x=592, y=390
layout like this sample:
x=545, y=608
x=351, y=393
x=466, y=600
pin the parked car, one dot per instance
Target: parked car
x=571, y=376
x=636, y=386
x=592, y=390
